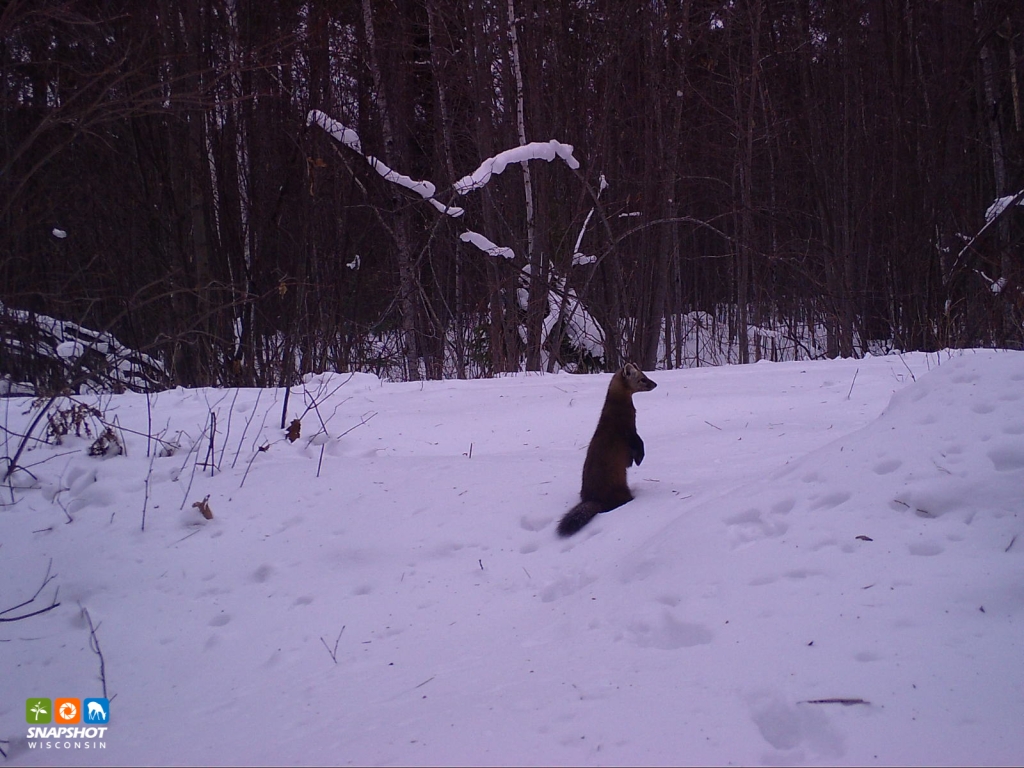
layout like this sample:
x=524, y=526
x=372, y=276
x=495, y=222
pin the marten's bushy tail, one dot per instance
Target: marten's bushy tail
x=579, y=516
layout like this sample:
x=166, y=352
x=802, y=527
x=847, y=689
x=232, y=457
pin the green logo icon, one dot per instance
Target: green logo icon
x=38, y=711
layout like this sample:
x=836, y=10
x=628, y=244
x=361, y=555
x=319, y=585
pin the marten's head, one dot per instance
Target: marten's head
x=636, y=380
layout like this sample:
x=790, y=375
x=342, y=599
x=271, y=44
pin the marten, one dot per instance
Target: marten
x=614, y=447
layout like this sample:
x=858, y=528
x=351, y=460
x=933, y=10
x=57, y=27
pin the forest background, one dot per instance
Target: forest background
x=749, y=179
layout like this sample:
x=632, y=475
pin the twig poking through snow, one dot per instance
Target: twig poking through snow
x=334, y=652
x=94, y=644
x=53, y=604
x=145, y=499
x=912, y=376
x=852, y=383
x=246, y=429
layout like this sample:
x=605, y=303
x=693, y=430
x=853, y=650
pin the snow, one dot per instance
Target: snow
x=65, y=342
x=823, y=564
x=338, y=131
x=70, y=349
x=536, y=150
x=582, y=259
x=424, y=189
x=485, y=245
x=1000, y=204
x=350, y=138
x=60, y=234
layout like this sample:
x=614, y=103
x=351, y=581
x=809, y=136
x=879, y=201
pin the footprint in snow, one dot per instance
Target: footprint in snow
x=925, y=549
x=887, y=466
x=667, y=633
x=1006, y=458
x=749, y=526
x=792, y=727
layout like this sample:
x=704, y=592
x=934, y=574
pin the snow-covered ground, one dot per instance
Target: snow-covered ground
x=824, y=563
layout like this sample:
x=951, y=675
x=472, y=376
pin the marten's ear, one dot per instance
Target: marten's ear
x=630, y=370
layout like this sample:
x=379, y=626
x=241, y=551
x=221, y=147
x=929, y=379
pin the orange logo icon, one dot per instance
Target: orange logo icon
x=67, y=711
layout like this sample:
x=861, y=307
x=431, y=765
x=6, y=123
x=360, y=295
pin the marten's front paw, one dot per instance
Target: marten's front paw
x=638, y=450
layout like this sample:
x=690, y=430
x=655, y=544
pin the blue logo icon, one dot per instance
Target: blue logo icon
x=96, y=711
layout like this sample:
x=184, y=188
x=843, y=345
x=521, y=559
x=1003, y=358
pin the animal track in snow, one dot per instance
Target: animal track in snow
x=925, y=549
x=965, y=378
x=796, y=575
x=790, y=726
x=668, y=634
x=887, y=466
x=535, y=522
x=565, y=586
x=783, y=506
x=638, y=570
x=830, y=500
x=749, y=526
x=1006, y=458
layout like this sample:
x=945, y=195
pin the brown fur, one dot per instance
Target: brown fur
x=614, y=447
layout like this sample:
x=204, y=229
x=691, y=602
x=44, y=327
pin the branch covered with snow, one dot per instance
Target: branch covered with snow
x=338, y=132
x=537, y=150
x=996, y=286
x=42, y=353
x=486, y=245
x=579, y=258
x=350, y=139
x=1002, y=203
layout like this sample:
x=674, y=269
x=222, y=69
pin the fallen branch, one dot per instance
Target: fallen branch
x=844, y=702
x=53, y=603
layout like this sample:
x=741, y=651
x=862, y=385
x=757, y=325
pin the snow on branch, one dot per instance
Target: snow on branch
x=537, y=150
x=338, y=132
x=350, y=139
x=43, y=353
x=486, y=245
x=579, y=258
x=1002, y=203
x=996, y=286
